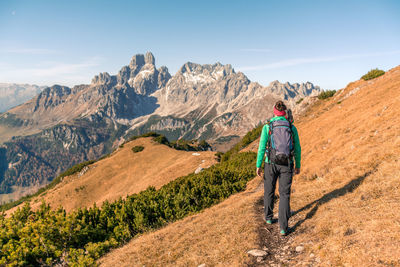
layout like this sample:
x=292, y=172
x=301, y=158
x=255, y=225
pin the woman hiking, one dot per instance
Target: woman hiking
x=280, y=143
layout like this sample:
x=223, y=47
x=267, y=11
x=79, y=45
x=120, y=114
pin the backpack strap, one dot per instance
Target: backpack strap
x=268, y=148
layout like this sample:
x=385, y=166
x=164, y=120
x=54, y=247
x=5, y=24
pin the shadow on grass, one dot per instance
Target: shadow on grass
x=348, y=188
x=268, y=235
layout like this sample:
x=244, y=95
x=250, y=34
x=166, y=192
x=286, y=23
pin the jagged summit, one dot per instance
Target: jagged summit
x=102, y=78
x=139, y=60
x=191, y=67
x=141, y=75
x=288, y=90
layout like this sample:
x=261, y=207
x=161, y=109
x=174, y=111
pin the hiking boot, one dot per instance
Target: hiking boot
x=269, y=221
x=282, y=233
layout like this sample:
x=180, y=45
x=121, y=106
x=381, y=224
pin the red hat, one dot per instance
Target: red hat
x=279, y=113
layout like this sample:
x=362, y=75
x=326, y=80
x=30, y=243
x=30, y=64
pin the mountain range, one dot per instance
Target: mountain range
x=62, y=126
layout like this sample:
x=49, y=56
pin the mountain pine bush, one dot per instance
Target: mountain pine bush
x=136, y=149
x=51, y=237
x=326, y=94
x=372, y=74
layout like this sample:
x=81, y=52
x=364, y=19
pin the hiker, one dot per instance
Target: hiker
x=280, y=142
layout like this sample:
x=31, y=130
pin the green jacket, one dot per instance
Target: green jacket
x=264, y=139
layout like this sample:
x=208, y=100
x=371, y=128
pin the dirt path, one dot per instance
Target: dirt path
x=281, y=250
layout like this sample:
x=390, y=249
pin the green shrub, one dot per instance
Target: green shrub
x=218, y=156
x=161, y=139
x=326, y=94
x=372, y=74
x=181, y=144
x=149, y=134
x=49, y=237
x=192, y=145
x=137, y=149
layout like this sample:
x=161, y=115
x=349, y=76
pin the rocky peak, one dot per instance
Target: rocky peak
x=137, y=61
x=51, y=97
x=228, y=70
x=149, y=58
x=123, y=75
x=102, y=78
x=163, y=76
x=292, y=90
x=206, y=73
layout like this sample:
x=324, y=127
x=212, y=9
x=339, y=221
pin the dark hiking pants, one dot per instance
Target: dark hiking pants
x=273, y=172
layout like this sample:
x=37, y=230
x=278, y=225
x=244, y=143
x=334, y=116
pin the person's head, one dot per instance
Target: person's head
x=280, y=108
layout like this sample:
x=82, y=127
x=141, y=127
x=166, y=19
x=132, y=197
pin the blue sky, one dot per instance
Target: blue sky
x=329, y=43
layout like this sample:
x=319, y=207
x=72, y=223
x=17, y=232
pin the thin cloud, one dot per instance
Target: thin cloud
x=51, y=72
x=301, y=61
x=255, y=50
x=32, y=51
x=61, y=68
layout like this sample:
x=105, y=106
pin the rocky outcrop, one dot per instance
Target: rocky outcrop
x=103, y=78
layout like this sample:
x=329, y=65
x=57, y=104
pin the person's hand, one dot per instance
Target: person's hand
x=297, y=171
x=259, y=172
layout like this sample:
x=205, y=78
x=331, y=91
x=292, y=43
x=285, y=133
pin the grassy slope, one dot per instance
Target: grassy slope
x=347, y=198
x=123, y=173
x=348, y=192
x=218, y=236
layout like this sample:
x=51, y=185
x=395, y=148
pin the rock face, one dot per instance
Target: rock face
x=62, y=126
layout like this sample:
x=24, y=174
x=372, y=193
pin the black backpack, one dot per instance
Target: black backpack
x=280, y=145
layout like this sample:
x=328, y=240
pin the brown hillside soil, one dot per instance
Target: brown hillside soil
x=345, y=202
x=124, y=173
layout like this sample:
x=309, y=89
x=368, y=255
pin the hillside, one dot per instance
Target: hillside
x=123, y=173
x=345, y=202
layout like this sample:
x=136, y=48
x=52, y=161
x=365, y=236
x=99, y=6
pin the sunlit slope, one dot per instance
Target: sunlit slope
x=348, y=192
x=346, y=201
x=124, y=173
x=218, y=236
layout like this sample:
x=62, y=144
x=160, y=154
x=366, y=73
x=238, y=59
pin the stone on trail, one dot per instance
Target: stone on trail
x=299, y=248
x=202, y=265
x=259, y=259
x=257, y=252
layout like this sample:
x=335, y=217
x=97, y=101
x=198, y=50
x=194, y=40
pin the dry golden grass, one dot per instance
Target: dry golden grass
x=347, y=198
x=124, y=173
x=218, y=236
x=348, y=192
